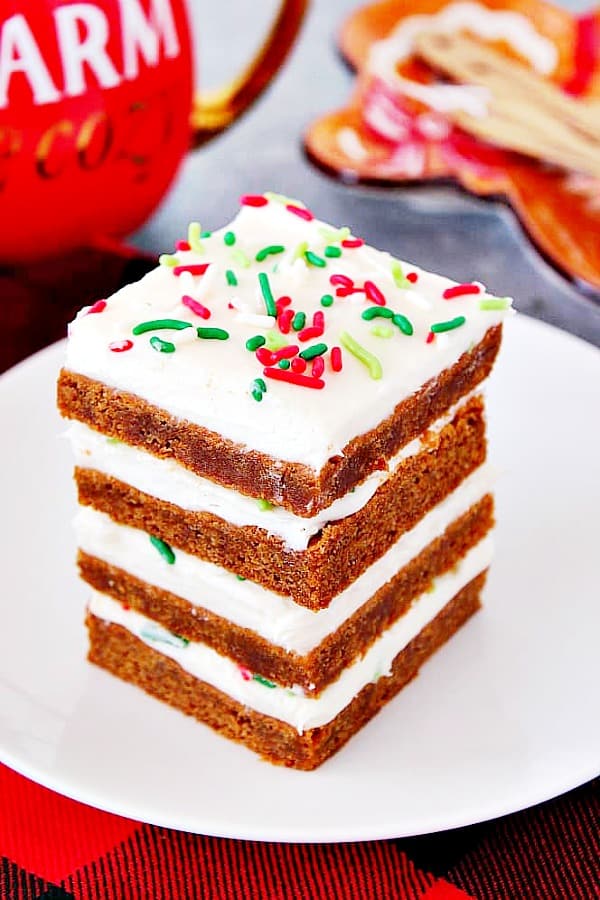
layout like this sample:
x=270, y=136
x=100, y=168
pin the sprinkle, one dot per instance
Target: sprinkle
x=253, y=200
x=398, y=273
x=231, y=279
x=255, y=342
x=97, y=307
x=275, y=341
x=194, y=269
x=261, y=321
x=332, y=252
x=461, y=290
x=430, y=338
x=352, y=242
x=299, y=321
x=336, y=359
x=113, y=440
x=285, y=352
x=301, y=212
x=163, y=548
x=153, y=632
x=413, y=277
x=205, y=234
x=382, y=331
x=167, y=259
x=267, y=294
x=284, y=363
x=374, y=312
x=194, y=237
x=229, y=238
x=285, y=320
x=155, y=324
x=341, y=279
x=195, y=307
x=271, y=250
x=212, y=334
x=327, y=300
x=240, y=577
x=264, y=505
x=265, y=356
x=315, y=350
x=495, y=303
x=314, y=260
x=373, y=293
x=299, y=364
x=450, y=325
x=161, y=346
x=308, y=334
x=300, y=251
x=264, y=681
x=260, y=384
x=184, y=246
x=362, y=355
x=257, y=395
x=282, y=303
x=318, y=367
x=257, y=389
x=319, y=319
x=120, y=346
x=404, y=324
x=245, y=673
x=281, y=198
x=294, y=378
x=333, y=234
x=241, y=258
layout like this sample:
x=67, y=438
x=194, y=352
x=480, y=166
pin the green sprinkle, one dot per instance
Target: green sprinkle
x=194, y=237
x=333, y=252
x=264, y=505
x=155, y=324
x=205, y=234
x=265, y=288
x=264, y=681
x=398, y=275
x=362, y=355
x=404, y=324
x=300, y=251
x=212, y=334
x=256, y=394
x=495, y=303
x=333, y=235
x=327, y=300
x=240, y=577
x=255, y=342
x=376, y=312
x=238, y=256
x=161, y=346
x=153, y=632
x=284, y=363
x=167, y=259
x=260, y=384
x=299, y=321
x=382, y=331
x=230, y=276
x=229, y=238
x=314, y=260
x=271, y=250
x=163, y=548
x=275, y=340
x=281, y=198
x=450, y=325
x=314, y=350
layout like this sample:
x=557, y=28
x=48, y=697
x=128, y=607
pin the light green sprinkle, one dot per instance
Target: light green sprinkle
x=264, y=681
x=495, y=303
x=212, y=334
x=333, y=252
x=156, y=324
x=404, y=324
x=376, y=312
x=264, y=505
x=229, y=238
x=362, y=355
x=382, y=331
x=314, y=350
x=161, y=346
x=163, y=548
x=281, y=198
x=238, y=256
x=275, y=340
x=314, y=260
x=450, y=325
x=271, y=250
x=327, y=300
x=255, y=342
x=333, y=235
x=265, y=287
x=300, y=251
x=167, y=259
x=231, y=279
x=194, y=237
x=398, y=275
x=113, y=440
x=299, y=321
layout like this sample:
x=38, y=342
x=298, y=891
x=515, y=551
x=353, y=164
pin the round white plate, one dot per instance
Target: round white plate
x=504, y=716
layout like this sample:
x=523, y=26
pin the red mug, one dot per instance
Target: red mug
x=97, y=112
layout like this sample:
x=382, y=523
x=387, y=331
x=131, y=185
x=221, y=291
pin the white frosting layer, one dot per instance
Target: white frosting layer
x=209, y=382
x=167, y=480
x=276, y=618
x=302, y=712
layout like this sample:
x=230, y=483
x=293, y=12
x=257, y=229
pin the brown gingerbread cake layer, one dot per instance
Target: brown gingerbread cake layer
x=113, y=648
x=294, y=486
x=340, y=552
x=338, y=650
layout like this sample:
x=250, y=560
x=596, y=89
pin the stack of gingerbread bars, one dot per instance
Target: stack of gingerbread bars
x=280, y=452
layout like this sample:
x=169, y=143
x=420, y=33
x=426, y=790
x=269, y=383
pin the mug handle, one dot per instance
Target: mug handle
x=215, y=110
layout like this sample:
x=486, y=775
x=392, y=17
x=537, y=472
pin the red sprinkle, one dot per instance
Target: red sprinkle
x=182, y=245
x=307, y=334
x=195, y=269
x=346, y=291
x=430, y=338
x=373, y=293
x=195, y=306
x=120, y=346
x=352, y=242
x=284, y=320
x=336, y=359
x=319, y=319
x=461, y=290
x=265, y=357
x=298, y=365
x=245, y=673
x=301, y=213
x=294, y=378
x=341, y=279
x=413, y=277
x=98, y=306
x=253, y=200
x=284, y=352
x=282, y=302
x=318, y=367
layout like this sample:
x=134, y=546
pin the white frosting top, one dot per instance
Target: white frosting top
x=212, y=382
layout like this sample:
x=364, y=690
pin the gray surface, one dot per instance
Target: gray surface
x=438, y=228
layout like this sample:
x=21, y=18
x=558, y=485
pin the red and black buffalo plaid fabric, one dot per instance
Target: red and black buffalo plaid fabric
x=52, y=848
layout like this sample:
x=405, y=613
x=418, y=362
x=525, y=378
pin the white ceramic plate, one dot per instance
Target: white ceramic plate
x=501, y=718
